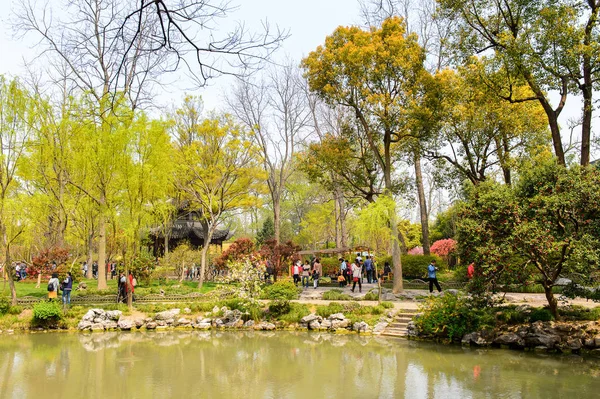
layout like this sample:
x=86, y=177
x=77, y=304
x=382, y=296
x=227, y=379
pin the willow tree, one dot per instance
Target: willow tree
x=17, y=118
x=373, y=72
x=218, y=167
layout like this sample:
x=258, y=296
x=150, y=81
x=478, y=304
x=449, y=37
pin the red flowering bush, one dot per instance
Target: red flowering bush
x=444, y=248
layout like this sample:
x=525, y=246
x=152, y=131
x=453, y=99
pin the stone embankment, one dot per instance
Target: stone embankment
x=567, y=337
x=221, y=318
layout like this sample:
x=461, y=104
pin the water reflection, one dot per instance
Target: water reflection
x=277, y=365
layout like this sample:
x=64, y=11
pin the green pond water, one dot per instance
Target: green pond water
x=248, y=365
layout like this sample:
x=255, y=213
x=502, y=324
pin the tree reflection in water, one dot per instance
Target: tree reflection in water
x=277, y=365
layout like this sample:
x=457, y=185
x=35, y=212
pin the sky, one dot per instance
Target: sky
x=308, y=22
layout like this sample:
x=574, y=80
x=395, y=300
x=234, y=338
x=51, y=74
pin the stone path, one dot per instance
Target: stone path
x=399, y=327
x=315, y=296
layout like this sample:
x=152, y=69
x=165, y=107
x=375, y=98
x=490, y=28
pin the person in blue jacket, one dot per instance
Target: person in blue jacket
x=431, y=269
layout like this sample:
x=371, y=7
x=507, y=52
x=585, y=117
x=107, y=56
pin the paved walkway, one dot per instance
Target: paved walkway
x=315, y=296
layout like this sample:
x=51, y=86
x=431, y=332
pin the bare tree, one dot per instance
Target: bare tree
x=276, y=110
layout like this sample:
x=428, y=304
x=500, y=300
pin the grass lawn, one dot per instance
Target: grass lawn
x=27, y=288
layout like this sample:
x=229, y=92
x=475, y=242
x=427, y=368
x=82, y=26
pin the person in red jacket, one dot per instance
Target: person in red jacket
x=471, y=270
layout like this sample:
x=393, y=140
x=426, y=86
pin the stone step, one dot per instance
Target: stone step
x=392, y=325
x=395, y=334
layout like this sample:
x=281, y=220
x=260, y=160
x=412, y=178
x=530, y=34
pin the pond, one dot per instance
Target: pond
x=278, y=365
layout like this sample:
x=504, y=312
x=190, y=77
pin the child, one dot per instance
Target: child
x=341, y=280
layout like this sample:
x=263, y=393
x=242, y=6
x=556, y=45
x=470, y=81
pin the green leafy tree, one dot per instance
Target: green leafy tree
x=373, y=73
x=217, y=170
x=547, y=45
x=546, y=224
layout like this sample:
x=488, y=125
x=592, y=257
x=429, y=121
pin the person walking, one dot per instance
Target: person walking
x=356, y=275
x=317, y=272
x=67, y=287
x=305, y=274
x=369, y=269
x=296, y=272
x=431, y=272
x=53, y=286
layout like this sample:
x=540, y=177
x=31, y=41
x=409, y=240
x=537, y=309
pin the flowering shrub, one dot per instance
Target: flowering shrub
x=240, y=248
x=416, y=251
x=444, y=248
x=247, y=278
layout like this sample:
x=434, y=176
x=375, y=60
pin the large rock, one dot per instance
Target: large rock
x=89, y=316
x=388, y=297
x=337, y=316
x=380, y=327
x=139, y=323
x=114, y=315
x=84, y=325
x=360, y=327
x=249, y=324
x=510, y=339
x=336, y=324
x=126, y=324
x=97, y=327
x=183, y=322
x=151, y=325
x=110, y=325
x=311, y=317
x=203, y=326
x=479, y=338
x=167, y=314
x=545, y=340
x=264, y=326
x=326, y=324
x=314, y=325
x=200, y=320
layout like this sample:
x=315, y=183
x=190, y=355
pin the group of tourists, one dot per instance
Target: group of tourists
x=126, y=285
x=66, y=286
x=20, y=271
x=303, y=272
x=356, y=271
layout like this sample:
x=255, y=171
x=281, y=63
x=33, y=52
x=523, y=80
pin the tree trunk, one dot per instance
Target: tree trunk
x=587, y=87
x=208, y=233
x=342, y=209
x=422, y=204
x=8, y=267
x=556, y=140
x=166, y=244
x=277, y=217
x=39, y=279
x=552, y=302
x=90, y=258
x=101, y=253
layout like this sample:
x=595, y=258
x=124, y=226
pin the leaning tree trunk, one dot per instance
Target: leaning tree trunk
x=422, y=204
x=552, y=302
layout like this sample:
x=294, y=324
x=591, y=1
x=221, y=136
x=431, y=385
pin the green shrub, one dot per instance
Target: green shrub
x=47, y=311
x=577, y=313
x=279, y=307
x=14, y=310
x=387, y=305
x=540, y=314
x=296, y=313
x=280, y=290
x=512, y=315
x=451, y=317
x=328, y=310
x=371, y=296
x=4, y=305
x=336, y=295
